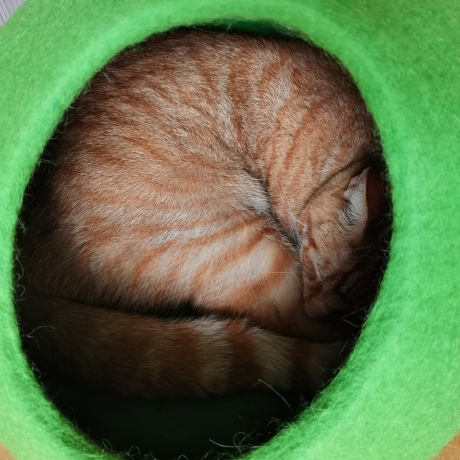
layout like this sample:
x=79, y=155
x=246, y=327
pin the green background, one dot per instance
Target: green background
x=398, y=397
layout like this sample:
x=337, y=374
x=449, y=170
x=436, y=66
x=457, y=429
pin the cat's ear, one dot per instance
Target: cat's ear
x=365, y=199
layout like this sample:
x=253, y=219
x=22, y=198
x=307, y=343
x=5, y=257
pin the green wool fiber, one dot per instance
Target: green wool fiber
x=398, y=397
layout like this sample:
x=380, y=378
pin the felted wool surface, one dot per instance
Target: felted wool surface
x=398, y=397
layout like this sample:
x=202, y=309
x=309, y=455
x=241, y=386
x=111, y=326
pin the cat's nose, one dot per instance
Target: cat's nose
x=315, y=306
x=321, y=307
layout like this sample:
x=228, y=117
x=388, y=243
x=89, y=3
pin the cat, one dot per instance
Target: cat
x=240, y=176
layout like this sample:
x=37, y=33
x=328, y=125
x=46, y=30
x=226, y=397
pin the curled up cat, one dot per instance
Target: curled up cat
x=238, y=175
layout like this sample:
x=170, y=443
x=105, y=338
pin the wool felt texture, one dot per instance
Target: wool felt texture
x=398, y=397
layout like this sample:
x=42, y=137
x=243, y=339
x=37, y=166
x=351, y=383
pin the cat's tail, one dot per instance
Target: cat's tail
x=141, y=355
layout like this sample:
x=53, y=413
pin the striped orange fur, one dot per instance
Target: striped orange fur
x=237, y=174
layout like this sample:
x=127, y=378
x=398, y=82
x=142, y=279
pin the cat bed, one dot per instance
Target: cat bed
x=398, y=395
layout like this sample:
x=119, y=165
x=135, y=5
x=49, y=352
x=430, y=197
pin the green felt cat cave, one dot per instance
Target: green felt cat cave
x=398, y=397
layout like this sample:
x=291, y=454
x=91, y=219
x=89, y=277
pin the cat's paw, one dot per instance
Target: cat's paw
x=317, y=330
x=319, y=365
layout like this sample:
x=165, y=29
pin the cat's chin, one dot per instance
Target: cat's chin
x=322, y=313
x=354, y=317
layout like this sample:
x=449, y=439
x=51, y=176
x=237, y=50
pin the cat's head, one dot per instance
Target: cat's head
x=344, y=258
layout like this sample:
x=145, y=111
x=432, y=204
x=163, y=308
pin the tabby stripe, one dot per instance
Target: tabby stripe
x=245, y=367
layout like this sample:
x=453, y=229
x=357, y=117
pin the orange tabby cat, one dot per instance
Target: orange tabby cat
x=235, y=174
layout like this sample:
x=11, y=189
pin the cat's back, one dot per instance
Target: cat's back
x=215, y=94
